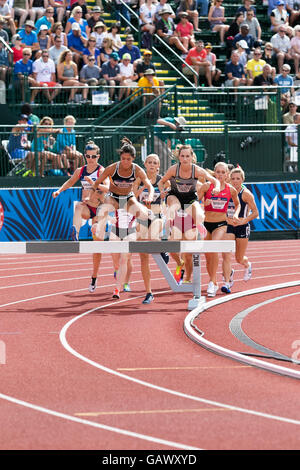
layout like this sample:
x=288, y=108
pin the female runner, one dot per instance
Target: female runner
x=215, y=208
x=150, y=229
x=239, y=230
x=86, y=209
x=184, y=177
x=122, y=176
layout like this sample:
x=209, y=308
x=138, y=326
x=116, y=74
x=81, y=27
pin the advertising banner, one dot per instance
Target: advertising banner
x=33, y=214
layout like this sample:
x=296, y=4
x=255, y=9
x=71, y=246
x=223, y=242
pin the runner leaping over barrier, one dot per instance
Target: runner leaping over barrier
x=153, y=247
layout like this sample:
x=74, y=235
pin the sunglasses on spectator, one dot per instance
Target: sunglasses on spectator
x=26, y=53
x=268, y=48
x=91, y=59
x=285, y=70
x=91, y=156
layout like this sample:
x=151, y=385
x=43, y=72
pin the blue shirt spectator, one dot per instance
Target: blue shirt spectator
x=28, y=35
x=74, y=39
x=23, y=66
x=130, y=48
x=284, y=80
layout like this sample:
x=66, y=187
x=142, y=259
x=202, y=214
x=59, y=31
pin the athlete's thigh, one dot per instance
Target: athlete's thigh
x=219, y=233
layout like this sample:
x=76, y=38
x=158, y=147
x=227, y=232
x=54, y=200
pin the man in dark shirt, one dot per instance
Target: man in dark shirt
x=244, y=35
x=130, y=48
x=265, y=78
x=111, y=72
x=234, y=71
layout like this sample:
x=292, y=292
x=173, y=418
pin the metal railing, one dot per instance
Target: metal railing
x=261, y=150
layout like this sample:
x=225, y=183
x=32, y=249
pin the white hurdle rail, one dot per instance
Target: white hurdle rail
x=196, y=248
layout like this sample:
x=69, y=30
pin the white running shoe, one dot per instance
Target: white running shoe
x=211, y=289
x=92, y=287
x=248, y=273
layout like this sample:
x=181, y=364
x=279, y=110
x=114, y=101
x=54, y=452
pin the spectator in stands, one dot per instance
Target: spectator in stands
x=18, y=144
x=268, y=56
x=242, y=48
x=284, y=104
x=233, y=29
x=159, y=6
x=17, y=49
x=32, y=118
x=66, y=143
x=114, y=34
x=254, y=27
x=234, y=72
x=95, y=17
x=42, y=145
x=58, y=30
x=4, y=62
x=265, y=78
x=197, y=60
x=185, y=30
x=111, y=73
x=121, y=9
x=47, y=19
x=147, y=23
x=21, y=10
x=212, y=58
x=291, y=135
x=43, y=39
x=105, y=50
x=292, y=7
x=151, y=90
x=91, y=73
x=57, y=49
x=45, y=75
x=244, y=35
x=288, y=118
x=166, y=31
x=76, y=18
x=254, y=66
x=82, y=4
x=202, y=7
x=130, y=48
x=91, y=49
x=128, y=77
x=7, y=13
x=144, y=63
x=60, y=8
x=285, y=81
x=190, y=7
x=216, y=18
x=3, y=33
x=147, y=17
x=99, y=33
x=38, y=8
x=247, y=6
x=23, y=73
x=67, y=74
x=77, y=42
x=29, y=37
x=295, y=49
x=281, y=47
x=279, y=16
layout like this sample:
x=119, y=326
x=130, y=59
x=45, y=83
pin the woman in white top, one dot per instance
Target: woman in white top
x=113, y=34
x=147, y=17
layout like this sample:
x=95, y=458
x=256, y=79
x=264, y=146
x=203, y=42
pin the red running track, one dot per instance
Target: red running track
x=83, y=371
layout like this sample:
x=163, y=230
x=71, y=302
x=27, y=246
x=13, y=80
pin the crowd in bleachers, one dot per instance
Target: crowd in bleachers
x=60, y=46
x=40, y=32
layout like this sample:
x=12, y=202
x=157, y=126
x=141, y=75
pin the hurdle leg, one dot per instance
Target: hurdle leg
x=198, y=299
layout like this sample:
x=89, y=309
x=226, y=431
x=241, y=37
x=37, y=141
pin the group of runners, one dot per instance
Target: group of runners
x=127, y=202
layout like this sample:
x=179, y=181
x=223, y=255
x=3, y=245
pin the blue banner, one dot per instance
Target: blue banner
x=278, y=206
x=33, y=214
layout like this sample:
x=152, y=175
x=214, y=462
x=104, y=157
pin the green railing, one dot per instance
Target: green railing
x=260, y=150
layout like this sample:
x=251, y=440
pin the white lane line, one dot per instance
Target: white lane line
x=75, y=353
x=86, y=422
x=216, y=348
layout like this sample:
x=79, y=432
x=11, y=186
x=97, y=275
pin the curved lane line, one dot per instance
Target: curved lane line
x=216, y=348
x=72, y=351
x=236, y=329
